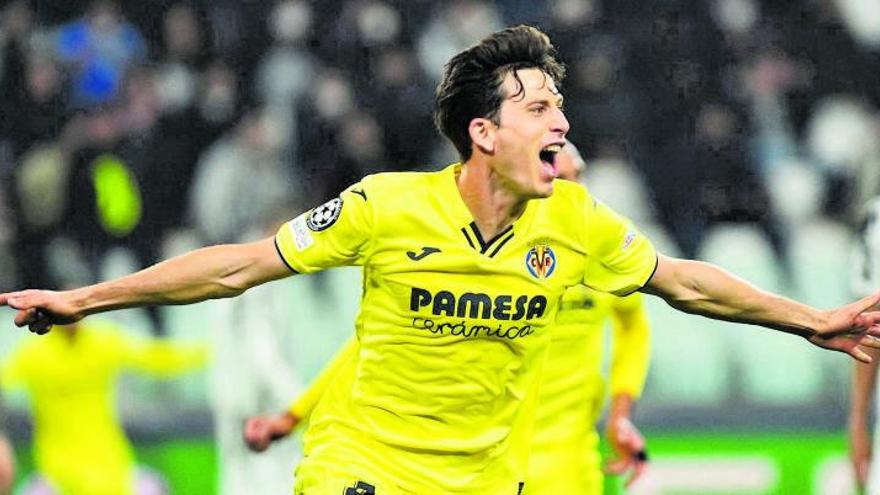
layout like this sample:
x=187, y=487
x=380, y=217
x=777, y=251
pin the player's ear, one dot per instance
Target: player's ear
x=482, y=132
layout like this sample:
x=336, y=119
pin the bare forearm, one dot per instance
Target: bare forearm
x=705, y=289
x=621, y=406
x=208, y=273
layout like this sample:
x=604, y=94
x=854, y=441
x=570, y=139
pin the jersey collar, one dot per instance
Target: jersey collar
x=469, y=232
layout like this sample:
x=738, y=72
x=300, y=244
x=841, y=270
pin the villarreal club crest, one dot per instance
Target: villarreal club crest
x=541, y=261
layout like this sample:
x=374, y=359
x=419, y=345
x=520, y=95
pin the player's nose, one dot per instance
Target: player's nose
x=559, y=124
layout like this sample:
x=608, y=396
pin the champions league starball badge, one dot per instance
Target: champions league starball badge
x=325, y=215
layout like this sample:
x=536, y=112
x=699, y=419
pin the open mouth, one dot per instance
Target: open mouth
x=548, y=158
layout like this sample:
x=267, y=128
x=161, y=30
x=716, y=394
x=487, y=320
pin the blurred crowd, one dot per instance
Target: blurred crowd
x=123, y=123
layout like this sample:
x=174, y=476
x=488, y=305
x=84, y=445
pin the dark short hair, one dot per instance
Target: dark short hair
x=471, y=84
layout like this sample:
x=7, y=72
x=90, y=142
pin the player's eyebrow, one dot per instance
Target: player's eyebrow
x=560, y=100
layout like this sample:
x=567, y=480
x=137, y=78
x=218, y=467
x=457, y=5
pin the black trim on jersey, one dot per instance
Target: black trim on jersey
x=278, y=250
x=484, y=246
x=656, y=264
x=478, y=236
x=360, y=192
x=500, y=244
x=466, y=236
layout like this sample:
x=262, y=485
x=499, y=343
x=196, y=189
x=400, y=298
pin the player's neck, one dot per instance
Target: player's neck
x=492, y=206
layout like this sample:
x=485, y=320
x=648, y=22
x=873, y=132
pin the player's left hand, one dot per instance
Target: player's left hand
x=260, y=431
x=629, y=448
x=848, y=327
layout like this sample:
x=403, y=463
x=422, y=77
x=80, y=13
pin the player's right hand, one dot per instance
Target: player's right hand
x=40, y=309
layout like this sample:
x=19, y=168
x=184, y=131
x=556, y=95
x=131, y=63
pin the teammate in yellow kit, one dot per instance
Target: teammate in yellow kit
x=70, y=377
x=565, y=448
x=463, y=272
x=565, y=454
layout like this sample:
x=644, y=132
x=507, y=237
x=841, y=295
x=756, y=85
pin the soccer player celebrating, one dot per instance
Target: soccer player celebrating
x=463, y=272
x=565, y=447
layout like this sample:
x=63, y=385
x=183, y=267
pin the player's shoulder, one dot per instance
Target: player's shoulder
x=570, y=192
x=393, y=180
x=393, y=187
x=571, y=197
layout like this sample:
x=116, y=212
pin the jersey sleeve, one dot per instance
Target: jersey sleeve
x=336, y=233
x=302, y=407
x=163, y=358
x=620, y=259
x=632, y=346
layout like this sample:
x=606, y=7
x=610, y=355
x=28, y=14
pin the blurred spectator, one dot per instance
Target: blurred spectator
x=842, y=138
x=182, y=48
x=34, y=116
x=837, y=64
x=243, y=175
x=16, y=23
x=725, y=185
x=98, y=49
x=401, y=99
x=70, y=376
x=238, y=33
x=287, y=70
x=36, y=111
x=603, y=106
x=453, y=27
x=320, y=116
x=362, y=28
x=570, y=21
x=173, y=148
x=103, y=197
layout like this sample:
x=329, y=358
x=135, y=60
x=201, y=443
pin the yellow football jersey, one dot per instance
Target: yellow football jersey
x=452, y=328
x=565, y=456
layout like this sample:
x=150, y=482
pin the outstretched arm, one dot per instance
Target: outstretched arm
x=208, y=273
x=704, y=289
